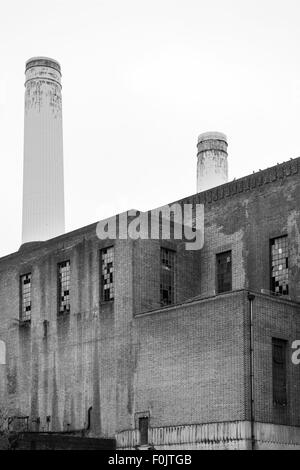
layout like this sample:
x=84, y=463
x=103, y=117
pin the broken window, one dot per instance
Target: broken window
x=279, y=371
x=280, y=266
x=64, y=287
x=107, y=274
x=143, y=428
x=167, y=276
x=25, y=313
x=224, y=272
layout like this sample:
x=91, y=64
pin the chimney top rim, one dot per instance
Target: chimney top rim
x=44, y=61
x=212, y=136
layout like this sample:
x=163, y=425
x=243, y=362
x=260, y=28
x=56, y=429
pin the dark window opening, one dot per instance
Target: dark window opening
x=64, y=287
x=107, y=274
x=167, y=276
x=25, y=314
x=280, y=266
x=224, y=272
x=279, y=371
x=143, y=428
x=45, y=328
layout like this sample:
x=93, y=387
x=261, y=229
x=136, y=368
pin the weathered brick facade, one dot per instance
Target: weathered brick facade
x=186, y=366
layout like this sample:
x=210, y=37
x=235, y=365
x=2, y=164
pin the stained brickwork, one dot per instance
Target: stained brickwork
x=187, y=366
x=275, y=319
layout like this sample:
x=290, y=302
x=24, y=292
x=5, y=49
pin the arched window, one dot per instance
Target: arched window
x=2, y=353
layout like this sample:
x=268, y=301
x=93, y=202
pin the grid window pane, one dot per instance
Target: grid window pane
x=224, y=272
x=64, y=287
x=107, y=274
x=25, y=314
x=167, y=276
x=280, y=266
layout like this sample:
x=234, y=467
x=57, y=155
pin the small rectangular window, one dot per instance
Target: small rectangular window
x=224, y=272
x=64, y=287
x=279, y=371
x=280, y=266
x=107, y=274
x=25, y=313
x=167, y=276
x=143, y=428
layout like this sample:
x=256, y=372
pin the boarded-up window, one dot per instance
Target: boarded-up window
x=279, y=371
x=2, y=353
x=224, y=272
x=143, y=428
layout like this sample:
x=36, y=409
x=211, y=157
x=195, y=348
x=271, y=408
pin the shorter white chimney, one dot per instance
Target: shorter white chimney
x=212, y=165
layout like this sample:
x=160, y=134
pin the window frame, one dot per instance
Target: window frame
x=174, y=274
x=219, y=254
x=271, y=242
x=278, y=401
x=101, y=283
x=59, y=289
x=25, y=318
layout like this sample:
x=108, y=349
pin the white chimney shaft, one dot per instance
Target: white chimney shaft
x=212, y=165
x=43, y=173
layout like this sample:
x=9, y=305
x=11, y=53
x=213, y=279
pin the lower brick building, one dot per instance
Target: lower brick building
x=151, y=344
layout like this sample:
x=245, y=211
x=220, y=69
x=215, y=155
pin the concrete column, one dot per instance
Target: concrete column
x=43, y=177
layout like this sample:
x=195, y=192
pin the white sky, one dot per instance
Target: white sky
x=141, y=80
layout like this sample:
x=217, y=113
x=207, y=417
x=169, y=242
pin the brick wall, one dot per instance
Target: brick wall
x=243, y=216
x=190, y=363
x=71, y=368
x=146, y=268
x=192, y=367
x=273, y=318
x=185, y=364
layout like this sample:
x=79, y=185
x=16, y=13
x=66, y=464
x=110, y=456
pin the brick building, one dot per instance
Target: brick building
x=151, y=344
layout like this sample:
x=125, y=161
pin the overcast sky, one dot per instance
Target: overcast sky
x=141, y=79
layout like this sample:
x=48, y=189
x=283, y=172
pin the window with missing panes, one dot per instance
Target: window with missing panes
x=280, y=266
x=25, y=313
x=224, y=272
x=107, y=274
x=279, y=371
x=167, y=276
x=64, y=287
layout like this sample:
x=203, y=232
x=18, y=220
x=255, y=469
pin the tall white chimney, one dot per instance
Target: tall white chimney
x=212, y=165
x=43, y=172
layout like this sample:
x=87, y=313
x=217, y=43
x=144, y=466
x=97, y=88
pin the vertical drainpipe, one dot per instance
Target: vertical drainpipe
x=251, y=298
